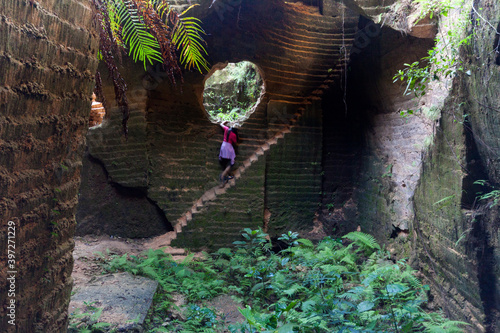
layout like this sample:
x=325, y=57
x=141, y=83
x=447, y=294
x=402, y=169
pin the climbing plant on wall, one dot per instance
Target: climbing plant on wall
x=444, y=59
x=149, y=31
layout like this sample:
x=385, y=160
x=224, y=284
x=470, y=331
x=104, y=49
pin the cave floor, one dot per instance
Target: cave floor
x=91, y=252
x=90, y=249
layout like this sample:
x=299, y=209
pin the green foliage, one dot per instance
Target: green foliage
x=142, y=45
x=493, y=195
x=88, y=321
x=231, y=93
x=444, y=59
x=388, y=171
x=347, y=284
x=446, y=201
x=290, y=238
x=365, y=242
x=142, y=25
x=151, y=31
x=200, y=319
x=189, y=277
x=187, y=37
x=436, y=7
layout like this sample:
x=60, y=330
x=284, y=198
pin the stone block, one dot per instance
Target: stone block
x=125, y=299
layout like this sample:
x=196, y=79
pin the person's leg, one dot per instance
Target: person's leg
x=226, y=167
x=226, y=171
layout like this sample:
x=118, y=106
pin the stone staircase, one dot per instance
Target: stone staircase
x=313, y=54
x=372, y=8
x=312, y=62
x=213, y=193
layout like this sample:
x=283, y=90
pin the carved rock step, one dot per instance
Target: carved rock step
x=210, y=195
x=322, y=41
x=304, y=46
x=319, y=23
x=319, y=68
x=305, y=54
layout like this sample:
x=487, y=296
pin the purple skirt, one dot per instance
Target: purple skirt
x=227, y=151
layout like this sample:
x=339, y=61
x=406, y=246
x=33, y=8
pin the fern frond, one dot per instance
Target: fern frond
x=349, y=259
x=413, y=281
x=447, y=326
x=141, y=44
x=187, y=37
x=364, y=241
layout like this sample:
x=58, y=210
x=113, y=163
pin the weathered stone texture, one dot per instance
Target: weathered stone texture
x=172, y=147
x=107, y=208
x=47, y=60
x=372, y=155
x=293, y=171
x=220, y=222
x=446, y=259
x=457, y=234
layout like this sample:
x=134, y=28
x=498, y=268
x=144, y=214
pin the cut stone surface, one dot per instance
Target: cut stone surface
x=125, y=299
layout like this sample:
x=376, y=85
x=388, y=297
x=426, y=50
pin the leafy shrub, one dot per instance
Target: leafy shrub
x=347, y=284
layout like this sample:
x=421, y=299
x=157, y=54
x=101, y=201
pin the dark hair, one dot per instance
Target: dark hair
x=233, y=130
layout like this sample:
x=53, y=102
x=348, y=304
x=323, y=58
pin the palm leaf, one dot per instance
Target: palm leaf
x=114, y=23
x=187, y=37
x=141, y=44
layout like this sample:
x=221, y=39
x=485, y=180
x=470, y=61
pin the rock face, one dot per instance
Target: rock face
x=318, y=149
x=322, y=150
x=458, y=239
x=47, y=62
x=372, y=155
x=124, y=298
x=172, y=149
x=106, y=208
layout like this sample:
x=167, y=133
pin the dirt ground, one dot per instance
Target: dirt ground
x=88, y=254
x=86, y=259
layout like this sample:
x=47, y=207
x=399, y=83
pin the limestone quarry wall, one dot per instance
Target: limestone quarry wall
x=300, y=148
x=372, y=153
x=47, y=65
x=171, y=153
x=457, y=234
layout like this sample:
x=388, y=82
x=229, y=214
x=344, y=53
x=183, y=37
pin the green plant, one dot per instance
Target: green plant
x=332, y=287
x=432, y=8
x=493, y=196
x=190, y=277
x=146, y=28
x=150, y=31
x=187, y=37
x=88, y=321
x=388, y=171
x=201, y=317
x=347, y=284
x=271, y=323
x=231, y=93
x=444, y=59
x=290, y=238
x=444, y=202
